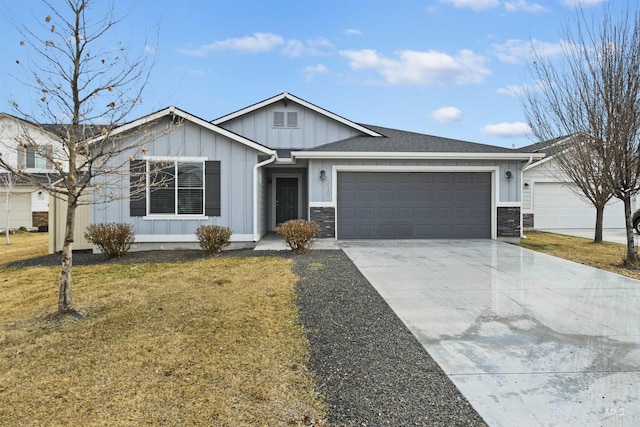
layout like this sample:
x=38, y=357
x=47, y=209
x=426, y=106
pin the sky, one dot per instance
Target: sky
x=450, y=68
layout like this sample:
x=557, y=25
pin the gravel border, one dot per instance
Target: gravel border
x=368, y=366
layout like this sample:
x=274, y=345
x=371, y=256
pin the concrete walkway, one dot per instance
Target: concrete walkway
x=529, y=339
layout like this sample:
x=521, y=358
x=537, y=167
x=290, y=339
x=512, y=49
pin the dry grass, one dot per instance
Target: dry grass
x=23, y=245
x=606, y=256
x=211, y=342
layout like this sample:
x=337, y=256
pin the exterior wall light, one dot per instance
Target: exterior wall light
x=323, y=175
x=508, y=174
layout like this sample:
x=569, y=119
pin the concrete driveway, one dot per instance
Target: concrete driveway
x=529, y=339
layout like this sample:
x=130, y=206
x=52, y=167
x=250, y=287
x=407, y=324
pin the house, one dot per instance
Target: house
x=27, y=147
x=549, y=199
x=285, y=158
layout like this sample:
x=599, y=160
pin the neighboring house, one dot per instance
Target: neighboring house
x=25, y=146
x=549, y=201
x=285, y=158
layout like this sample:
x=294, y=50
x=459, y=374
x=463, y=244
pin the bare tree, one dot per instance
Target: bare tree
x=8, y=181
x=86, y=85
x=593, y=93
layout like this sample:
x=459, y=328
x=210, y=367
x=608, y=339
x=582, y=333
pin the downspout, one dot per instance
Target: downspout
x=526, y=165
x=256, y=235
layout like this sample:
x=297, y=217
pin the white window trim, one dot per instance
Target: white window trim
x=285, y=112
x=174, y=159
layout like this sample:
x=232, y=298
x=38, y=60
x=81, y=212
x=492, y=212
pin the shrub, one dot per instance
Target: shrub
x=298, y=234
x=113, y=239
x=213, y=238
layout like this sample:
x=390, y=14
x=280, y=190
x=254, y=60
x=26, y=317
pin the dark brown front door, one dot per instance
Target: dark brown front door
x=286, y=199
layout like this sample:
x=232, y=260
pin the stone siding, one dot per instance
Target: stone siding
x=325, y=217
x=40, y=219
x=508, y=222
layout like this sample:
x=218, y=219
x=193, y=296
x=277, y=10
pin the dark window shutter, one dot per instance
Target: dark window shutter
x=212, y=188
x=137, y=188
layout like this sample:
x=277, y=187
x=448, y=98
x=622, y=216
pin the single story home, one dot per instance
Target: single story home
x=550, y=202
x=286, y=158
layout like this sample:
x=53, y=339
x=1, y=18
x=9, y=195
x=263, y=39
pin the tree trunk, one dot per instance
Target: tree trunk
x=8, y=210
x=65, y=300
x=599, y=217
x=631, y=248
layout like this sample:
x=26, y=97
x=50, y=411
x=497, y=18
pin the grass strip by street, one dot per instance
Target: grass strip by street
x=210, y=342
x=605, y=255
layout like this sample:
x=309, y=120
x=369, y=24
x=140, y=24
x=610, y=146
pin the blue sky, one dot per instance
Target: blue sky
x=451, y=68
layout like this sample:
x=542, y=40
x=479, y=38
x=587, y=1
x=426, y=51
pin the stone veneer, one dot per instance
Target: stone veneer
x=40, y=219
x=325, y=217
x=508, y=222
x=527, y=221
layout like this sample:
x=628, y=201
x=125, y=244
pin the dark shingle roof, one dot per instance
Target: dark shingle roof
x=399, y=141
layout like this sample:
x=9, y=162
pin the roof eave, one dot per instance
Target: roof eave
x=194, y=119
x=412, y=155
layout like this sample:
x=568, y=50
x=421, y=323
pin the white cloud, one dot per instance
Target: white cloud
x=515, y=51
x=472, y=4
x=265, y=42
x=258, y=42
x=352, y=32
x=517, y=91
x=507, y=130
x=313, y=70
x=296, y=48
x=421, y=68
x=524, y=6
x=447, y=115
x=583, y=3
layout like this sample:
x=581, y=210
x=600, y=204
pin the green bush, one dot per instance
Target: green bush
x=298, y=233
x=113, y=240
x=213, y=238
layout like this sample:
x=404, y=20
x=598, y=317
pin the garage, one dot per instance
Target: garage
x=413, y=205
x=556, y=206
x=20, y=215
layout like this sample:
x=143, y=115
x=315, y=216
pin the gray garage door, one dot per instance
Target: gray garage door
x=414, y=205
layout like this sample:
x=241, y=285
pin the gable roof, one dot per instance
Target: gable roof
x=399, y=143
x=550, y=147
x=287, y=96
x=176, y=112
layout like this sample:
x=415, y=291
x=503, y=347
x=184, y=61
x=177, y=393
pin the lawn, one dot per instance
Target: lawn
x=606, y=256
x=210, y=342
x=23, y=245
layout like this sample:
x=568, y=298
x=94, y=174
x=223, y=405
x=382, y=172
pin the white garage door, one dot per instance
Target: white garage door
x=20, y=215
x=556, y=206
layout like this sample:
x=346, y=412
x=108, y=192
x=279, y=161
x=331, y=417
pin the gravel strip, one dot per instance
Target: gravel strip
x=367, y=364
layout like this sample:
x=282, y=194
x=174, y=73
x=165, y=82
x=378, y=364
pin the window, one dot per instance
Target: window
x=174, y=188
x=290, y=116
x=35, y=157
x=35, y=160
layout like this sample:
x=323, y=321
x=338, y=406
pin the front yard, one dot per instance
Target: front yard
x=606, y=256
x=208, y=342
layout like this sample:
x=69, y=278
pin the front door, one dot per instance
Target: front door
x=286, y=199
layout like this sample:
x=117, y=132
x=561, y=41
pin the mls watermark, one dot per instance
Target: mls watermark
x=614, y=412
